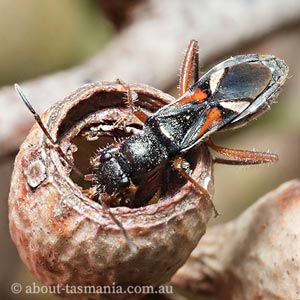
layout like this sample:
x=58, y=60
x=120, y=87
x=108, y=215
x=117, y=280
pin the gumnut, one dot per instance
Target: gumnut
x=64, y=237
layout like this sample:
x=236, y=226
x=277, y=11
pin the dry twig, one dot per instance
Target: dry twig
x=255, y=256
x=149, y=51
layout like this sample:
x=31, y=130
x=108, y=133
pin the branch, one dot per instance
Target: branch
x=150, y=51
x=252, y=257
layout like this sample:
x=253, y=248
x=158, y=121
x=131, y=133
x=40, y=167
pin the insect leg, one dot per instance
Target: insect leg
x=106, y=209
x=190, y=65
x=150, y=188
x=242, y=157
x=129, y=242
x=179, y=165
x=138, y=113
x=90, y=177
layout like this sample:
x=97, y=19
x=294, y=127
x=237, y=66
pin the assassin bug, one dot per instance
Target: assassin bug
x=228, y=96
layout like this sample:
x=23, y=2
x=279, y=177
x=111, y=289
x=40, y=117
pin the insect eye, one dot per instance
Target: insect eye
x=105, y=156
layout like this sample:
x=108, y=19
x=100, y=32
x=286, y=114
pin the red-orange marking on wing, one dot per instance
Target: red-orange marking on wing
x=197, y=95
x=213, y=117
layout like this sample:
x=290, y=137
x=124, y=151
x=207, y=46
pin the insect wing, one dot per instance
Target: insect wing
x=172, y=123
x=256, y=77
x=229, y=95
x=279, y=71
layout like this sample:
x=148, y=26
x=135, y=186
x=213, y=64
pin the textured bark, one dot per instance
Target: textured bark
x=149, y=50
x=253, y=257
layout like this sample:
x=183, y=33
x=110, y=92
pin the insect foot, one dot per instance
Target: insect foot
x=69, y=231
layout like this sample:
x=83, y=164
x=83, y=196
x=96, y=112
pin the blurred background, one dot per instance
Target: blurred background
x=53, y=47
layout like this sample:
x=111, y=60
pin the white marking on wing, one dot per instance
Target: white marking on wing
x=236, y=106
x=215, y=79
x=165, y=132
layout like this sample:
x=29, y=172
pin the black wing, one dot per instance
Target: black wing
x=229, y=95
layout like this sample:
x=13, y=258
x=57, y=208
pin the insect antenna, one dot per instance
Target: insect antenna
x=45, y=130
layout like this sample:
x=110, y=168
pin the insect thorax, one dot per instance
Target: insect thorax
x=133, y=159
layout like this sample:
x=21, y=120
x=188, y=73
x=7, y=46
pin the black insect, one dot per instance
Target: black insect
x=228, y=96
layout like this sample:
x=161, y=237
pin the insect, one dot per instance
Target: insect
x=228, y=96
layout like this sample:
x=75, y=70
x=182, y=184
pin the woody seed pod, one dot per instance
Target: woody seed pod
x=63, y=236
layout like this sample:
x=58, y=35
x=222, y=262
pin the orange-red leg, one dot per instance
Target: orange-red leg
x=242, y=157
x=178, y=164
x=135, y=110
x=189, y=66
